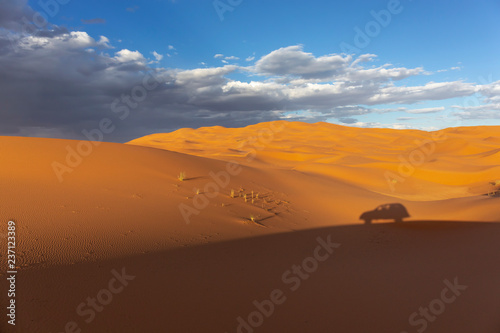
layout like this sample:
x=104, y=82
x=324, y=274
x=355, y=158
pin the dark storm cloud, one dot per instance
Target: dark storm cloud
x=12, y=13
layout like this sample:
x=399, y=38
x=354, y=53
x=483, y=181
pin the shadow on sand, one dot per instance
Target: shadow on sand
x=371, y=283
x=392, y=211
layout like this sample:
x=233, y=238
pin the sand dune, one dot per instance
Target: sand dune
x=253, y=204
x=435, y=165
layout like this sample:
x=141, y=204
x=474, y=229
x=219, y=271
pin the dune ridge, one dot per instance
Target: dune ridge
x=445, y=164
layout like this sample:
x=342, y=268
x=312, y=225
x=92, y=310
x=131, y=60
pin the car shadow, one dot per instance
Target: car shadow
x=390, y=211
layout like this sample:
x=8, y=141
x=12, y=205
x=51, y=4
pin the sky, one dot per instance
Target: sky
x=70, y=68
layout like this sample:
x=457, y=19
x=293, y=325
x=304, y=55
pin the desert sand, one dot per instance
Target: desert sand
x=240, y=244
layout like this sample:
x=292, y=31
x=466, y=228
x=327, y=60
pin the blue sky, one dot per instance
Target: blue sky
x=428, y=64
x=434, y=34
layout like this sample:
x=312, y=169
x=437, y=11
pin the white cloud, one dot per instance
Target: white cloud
x=232, y=58
x=392, y=126
x=367, y=124
x=203, y=76
x=487, y=111
x=293, y=61
x=104, y=42
x=170, y=47
x=467, y=115
x=129, y=56
x=157, y=56
x=486, y=107
x=217, y=56
x=491, y=91
x=293, y=64
x=456, y=68
x=426, y=110
x=429, y=91
x=67, y=41
x=250, y=58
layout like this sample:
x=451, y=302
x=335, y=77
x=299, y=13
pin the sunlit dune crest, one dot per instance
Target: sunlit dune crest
x=450, y=163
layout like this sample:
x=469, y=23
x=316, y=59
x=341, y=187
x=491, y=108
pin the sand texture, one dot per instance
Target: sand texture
x=263, y=229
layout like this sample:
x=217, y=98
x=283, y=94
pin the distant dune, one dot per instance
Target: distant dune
x=452, y=163
x=208, y=251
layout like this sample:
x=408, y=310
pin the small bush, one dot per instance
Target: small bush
x=182, y=176
x=496, y=190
